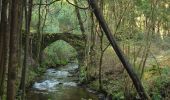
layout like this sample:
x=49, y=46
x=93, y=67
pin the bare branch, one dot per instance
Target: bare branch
x=106, y=48
x=84, y=8
x=46, y=4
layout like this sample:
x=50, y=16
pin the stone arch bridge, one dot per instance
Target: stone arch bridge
x=76, y=41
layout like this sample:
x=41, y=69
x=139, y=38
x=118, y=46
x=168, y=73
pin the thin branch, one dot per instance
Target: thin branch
x=106, y=47
x=46, y=4
x=121, y=18
x=45, y=16
x=158, y=65
x=84, y=8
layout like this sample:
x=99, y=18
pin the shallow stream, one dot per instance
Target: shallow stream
x=60, y=84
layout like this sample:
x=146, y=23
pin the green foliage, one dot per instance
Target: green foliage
x=94, y=85
x=115, y=88
x=143, y=6
x=156, y=96
x=159, y=82
x=4, y=97
x=164, y=79
x=118, y=96
x=61, y=17
x=32, y=74
x=59, y=53
x=83, y=74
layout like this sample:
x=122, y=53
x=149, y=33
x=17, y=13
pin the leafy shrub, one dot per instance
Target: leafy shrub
x=160, y=83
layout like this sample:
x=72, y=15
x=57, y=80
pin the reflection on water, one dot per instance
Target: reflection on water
x=59, y=84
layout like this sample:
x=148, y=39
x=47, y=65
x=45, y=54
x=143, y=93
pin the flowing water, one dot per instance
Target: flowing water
x=60, y=84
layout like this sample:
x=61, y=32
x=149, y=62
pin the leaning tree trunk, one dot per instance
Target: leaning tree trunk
x=136, y=81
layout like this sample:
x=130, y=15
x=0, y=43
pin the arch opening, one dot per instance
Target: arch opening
x=58, y=53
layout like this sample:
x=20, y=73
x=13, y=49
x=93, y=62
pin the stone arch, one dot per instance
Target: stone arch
x=76, y=41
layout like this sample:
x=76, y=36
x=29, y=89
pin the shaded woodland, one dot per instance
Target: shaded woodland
x=121, y=48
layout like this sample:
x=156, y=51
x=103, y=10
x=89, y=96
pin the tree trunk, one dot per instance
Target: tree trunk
x=3, y=45
x=0, y=9
x=125, y=62
x=101, y=36
x=13, y=54
x=79, y=18
x=39, y=41
x=28, y=13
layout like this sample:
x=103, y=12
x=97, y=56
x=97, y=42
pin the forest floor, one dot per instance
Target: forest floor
x=155, y=79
